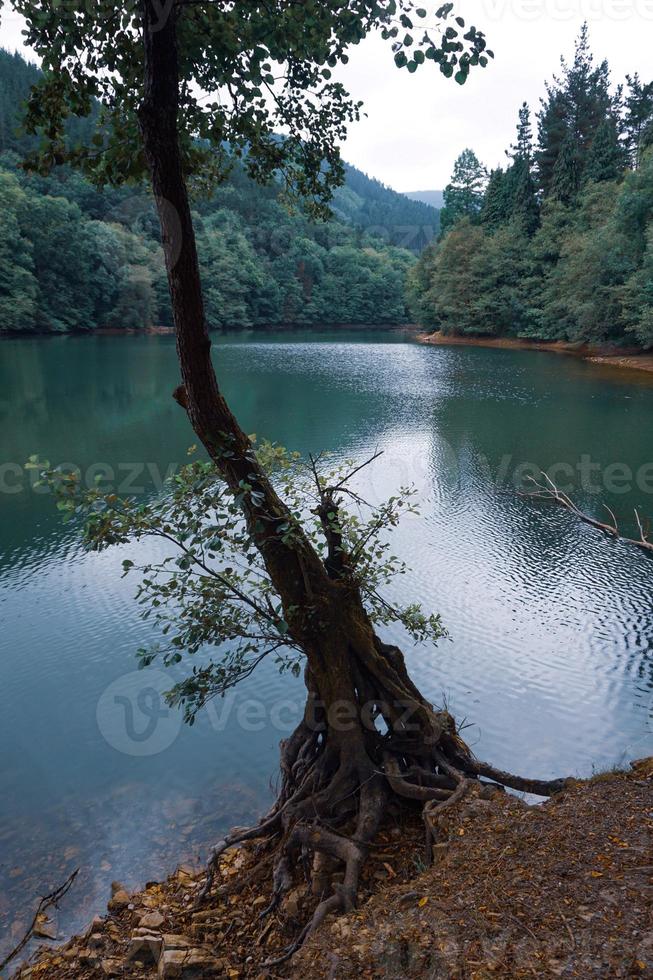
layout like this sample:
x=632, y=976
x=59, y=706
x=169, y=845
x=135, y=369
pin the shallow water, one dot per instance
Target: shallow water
x=551, y=625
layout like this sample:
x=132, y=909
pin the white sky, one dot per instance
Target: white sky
x=417, y=124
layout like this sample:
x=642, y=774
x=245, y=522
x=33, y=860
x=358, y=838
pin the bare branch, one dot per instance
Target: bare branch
x=47, y=902
x=549, y=491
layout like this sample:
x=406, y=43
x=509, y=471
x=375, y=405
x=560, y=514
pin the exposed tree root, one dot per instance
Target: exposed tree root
x=336, y=789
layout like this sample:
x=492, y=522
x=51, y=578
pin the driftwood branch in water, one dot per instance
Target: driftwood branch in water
x=549, y=491
x=47, y=902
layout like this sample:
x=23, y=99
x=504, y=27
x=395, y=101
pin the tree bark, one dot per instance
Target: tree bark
x=341, y=764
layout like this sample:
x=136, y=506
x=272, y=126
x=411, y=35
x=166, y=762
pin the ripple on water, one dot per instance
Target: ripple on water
x=551, y=626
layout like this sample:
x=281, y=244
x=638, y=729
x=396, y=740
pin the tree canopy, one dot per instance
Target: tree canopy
x=255, y=81
x=560, y=248
x=262, y=264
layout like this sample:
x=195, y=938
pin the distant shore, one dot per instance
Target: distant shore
x=627, y=358
x=165, y=331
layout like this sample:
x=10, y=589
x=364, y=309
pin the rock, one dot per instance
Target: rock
x=71, y=953
x=111, y=968
x=190, y=964
x=172, y=940
x=172, y=963
x=439, y=851
x=293, y=901
x=119, y=901
x=144, y=945
x=116, y=886
x=97, y=924
x=261, y=900
x=88, y=957
x=151, y=920
x=45, y=930
x=95, y=940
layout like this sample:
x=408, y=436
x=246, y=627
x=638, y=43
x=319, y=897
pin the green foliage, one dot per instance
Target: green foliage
x=448, y=297
x=463, y=196
x=81, y=259
x=574, y=262
x=248, y=72
x=208, y=593
x=638, y=118
x=577, y=104
x=18, y=285
x=606, y=159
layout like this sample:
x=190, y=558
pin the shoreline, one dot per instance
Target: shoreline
x=568, y=901
x=630, y=359
x=170, y=331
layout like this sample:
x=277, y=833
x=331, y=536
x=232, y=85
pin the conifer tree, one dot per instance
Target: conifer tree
x=606, y=159
x=638, y=120
x=463, y=196
x=522, y=148
x=576, y=106
x=565, y=183
x=495, y=203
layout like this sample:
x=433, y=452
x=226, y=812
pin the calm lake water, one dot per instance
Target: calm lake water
x=550, y=654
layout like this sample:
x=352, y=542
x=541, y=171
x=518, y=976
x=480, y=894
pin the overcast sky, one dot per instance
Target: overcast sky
x=417, y=124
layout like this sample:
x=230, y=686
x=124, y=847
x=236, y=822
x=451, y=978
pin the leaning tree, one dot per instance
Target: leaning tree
x=183, y=86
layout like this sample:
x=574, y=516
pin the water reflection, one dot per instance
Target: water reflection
x=551, y=625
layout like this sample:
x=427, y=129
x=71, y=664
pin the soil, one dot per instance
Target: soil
x=564, y=888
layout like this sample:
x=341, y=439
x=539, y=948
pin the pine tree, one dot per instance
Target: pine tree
x=525, y=207
x=463, y=196
x=576, y=106
x=638, y=120
x=606, y=159
x=552, y=129
x=566, y=177
x=495, y=204
x=522, y=149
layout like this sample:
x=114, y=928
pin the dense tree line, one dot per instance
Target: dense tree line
x=559, y=243
x=74, y=258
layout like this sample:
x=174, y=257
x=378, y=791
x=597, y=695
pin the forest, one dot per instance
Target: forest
x=74, y=258
x=558, y=244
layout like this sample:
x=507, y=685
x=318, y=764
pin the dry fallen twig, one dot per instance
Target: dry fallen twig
x=47, y=902
x=549, y=491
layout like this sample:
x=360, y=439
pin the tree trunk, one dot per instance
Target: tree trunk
x=367, y=732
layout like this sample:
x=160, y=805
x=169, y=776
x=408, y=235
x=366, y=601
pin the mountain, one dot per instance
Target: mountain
x=397, y=218
x=74, y=258
x=363, y=202
x=434, y=198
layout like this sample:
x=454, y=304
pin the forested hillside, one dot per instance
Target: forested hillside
x=74, y=258
x=559, y=243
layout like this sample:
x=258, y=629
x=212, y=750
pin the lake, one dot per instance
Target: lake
x=549, y=658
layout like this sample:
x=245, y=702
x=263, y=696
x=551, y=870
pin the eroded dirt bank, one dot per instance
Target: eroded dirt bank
x=631, y=359
x=561, y=889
